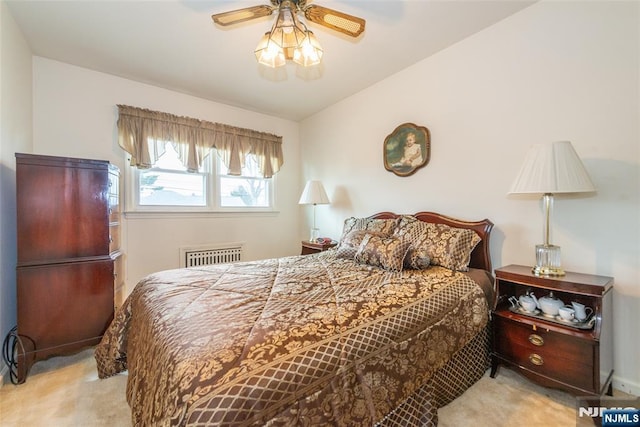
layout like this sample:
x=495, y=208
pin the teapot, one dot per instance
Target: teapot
x=528, y=302
x=550, y=305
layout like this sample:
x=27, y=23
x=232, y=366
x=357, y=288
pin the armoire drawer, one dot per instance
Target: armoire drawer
x=114, y=237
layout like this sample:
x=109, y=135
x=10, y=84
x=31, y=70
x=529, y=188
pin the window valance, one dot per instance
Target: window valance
x=143, y=134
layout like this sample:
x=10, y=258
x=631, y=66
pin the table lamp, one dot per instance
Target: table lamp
x=548, y=169
x=313, y=194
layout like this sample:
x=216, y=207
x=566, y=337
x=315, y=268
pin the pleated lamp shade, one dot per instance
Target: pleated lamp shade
x=314, y=194
x=552, y=168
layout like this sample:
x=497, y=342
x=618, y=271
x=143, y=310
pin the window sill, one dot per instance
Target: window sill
x=231, y=213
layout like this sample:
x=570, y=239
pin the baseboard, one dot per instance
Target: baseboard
x=4, y=375
x=626, y=386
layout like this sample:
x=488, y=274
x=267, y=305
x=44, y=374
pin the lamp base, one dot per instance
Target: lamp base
x=314, y=233
x=547, y=261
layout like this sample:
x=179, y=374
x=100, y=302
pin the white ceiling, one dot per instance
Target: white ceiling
x=175, y=45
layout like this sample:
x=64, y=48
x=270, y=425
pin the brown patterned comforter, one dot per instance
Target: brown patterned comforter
x=305, y=340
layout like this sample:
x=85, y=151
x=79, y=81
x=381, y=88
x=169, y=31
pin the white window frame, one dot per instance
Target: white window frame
x=212, y=204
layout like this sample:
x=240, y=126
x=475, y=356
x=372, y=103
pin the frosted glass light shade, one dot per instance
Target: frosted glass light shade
x=287, y=31
x=552, y=168
x=309, y=52
x=269, y=53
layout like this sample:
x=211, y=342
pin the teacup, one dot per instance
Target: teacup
x=566, y=313
x=581, y=311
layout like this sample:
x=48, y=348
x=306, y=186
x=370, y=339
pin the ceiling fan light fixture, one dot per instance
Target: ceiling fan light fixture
x=309, y=52
x=269, y=53
x=287, y=31
x=289, y=39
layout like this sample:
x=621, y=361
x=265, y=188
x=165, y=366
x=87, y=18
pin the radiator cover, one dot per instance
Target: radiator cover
x=198, y=256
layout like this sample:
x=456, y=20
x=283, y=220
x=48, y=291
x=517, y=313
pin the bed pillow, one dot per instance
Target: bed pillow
x=418, y=255
x=385, y=226
x=381, y=251
x=417, y=258
x=350, y=243
x=447, y=246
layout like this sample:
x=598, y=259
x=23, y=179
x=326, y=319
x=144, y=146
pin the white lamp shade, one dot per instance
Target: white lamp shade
x=552, y=168
x=314, y=194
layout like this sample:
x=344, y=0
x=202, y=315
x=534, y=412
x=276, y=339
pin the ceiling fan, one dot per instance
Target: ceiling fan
x=289, y=38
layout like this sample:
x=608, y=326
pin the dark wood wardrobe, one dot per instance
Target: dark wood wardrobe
x=69, y=272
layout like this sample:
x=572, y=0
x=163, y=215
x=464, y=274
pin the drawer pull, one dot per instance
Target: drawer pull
x=536, y=339
x=536, y=359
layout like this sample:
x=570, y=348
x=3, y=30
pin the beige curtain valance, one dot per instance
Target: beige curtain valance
x=143, y=134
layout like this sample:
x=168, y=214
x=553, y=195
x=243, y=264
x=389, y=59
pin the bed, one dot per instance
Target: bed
x=344, y=337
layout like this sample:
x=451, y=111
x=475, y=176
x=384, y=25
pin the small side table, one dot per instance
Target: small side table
x=548, y=351
x=313, y=248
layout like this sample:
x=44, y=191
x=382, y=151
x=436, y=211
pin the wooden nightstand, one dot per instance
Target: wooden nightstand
x=312, y=247
x=576, y=357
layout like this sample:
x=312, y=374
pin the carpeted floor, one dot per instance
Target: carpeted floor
x=66, y=391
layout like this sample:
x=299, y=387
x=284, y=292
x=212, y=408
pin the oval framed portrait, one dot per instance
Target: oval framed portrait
x=407, y=149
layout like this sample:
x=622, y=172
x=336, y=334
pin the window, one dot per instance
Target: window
x=169, y=184
x=248, y=190
x=168, y=187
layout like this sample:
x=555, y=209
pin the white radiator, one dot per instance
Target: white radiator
x=210, y=254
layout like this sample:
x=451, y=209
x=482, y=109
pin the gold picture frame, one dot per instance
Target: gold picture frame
x=407, y=149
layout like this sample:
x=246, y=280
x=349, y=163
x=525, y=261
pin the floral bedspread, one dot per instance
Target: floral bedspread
x=305, y=340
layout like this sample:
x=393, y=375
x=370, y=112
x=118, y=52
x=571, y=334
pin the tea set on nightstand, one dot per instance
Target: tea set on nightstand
x=552, y=308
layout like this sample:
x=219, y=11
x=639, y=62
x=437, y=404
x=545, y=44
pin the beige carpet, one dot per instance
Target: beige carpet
x=66, y=391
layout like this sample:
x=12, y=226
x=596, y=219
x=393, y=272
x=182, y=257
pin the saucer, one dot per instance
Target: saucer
x=530, y=313
x=558, y=317
x=550, y=316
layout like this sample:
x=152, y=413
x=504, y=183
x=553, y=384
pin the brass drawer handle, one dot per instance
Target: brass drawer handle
x=536, y=339
x=536, y=359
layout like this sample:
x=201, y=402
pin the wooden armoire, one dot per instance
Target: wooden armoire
x=69, y=266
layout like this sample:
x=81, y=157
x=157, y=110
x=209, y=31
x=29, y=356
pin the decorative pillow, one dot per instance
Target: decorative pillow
x=351, y=242
x=452, y=247
x=417, y=258
x=414, y=231
x=380, y=251
x=405, y=220
x=385, y=226
x=446, y=246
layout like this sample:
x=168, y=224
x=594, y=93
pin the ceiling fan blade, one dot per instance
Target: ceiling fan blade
x=342, y=22
x=241, y=15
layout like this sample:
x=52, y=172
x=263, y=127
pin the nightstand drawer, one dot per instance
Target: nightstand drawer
x=564, y=358
x=509, y=332
x=546, y=362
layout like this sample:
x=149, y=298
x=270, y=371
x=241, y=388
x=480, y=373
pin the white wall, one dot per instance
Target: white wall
x=75, y=115
x=15, y=135
x=555, y=71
